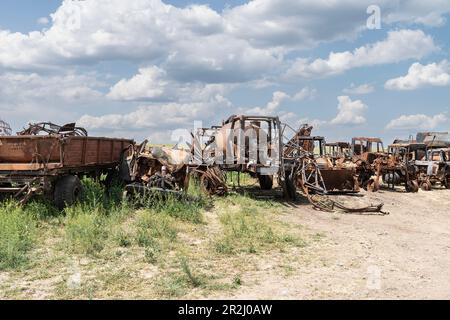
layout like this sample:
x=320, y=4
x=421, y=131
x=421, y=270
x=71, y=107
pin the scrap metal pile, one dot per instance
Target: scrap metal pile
x=41, y=157
x=275, y=154
x=255, y=145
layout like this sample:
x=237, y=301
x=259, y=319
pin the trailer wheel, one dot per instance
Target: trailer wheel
x=265, y=182
x=68, y=190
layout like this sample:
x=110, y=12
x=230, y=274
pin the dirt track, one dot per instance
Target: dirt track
x=402, y=255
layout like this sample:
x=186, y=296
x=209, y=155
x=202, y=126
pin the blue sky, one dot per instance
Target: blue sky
x=143, y=68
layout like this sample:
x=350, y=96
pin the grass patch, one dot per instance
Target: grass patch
x=42, y=210
x=155, y=232
x=16, y=235
x=188, y=209
x=85, y=232
x=193, y=280
x=248, y=227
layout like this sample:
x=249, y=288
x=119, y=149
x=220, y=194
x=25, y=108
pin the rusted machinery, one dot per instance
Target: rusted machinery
x=338, y=150
x=397, y=166
x=323, y=174
x=155, y=167
x=164, y=170
x=434, y=168
x=261, y=147
x=250, y=144
x=374, y=164
x=364, y=152
x=49, y=159
x=434, y=139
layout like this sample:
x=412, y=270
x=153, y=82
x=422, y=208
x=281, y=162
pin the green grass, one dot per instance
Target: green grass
x=186, y=209
x=247, y=227
x=85, y=232
x=188, y=246
x=17, y=230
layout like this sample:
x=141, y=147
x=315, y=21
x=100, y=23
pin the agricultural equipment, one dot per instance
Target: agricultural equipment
x=250, y=144
x=323, y=173
x=167, y=170
x=260, y=147
x=156, y=167
x=364, y=151
x=397, y=166
x=48, y=159
x=430, y=138
x=434, y=168
x=338, y=150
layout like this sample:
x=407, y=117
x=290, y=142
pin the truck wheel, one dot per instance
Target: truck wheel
x=68, y=190
x=265, y=182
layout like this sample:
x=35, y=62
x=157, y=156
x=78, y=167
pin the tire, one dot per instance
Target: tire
x=68, y=190
x=265, y=182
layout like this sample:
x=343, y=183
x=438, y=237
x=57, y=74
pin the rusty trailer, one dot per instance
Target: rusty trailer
x=52, y=164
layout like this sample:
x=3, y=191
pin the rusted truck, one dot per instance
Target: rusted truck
x=49, y=160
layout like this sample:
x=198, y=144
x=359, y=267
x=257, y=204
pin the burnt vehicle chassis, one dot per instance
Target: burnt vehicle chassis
x=49, y=160
x=293, y=160
x=363, y=156
x=375, y=165
x=229, y=148
x=163, y=171
x=434, y=168
x=323, y=174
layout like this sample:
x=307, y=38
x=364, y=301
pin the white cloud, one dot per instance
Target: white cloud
x=359, y=90
x=417, y=122
x=189, y=57
x=43, y=21
x=152, y=84
x=170, y=115
x=69, y=87
x=53, y=97
x=278, y=97
x=190, y=43
x=305, y=93
x=433, y=74
x=305, y=23
x=398, y=46
x=349, y=112
x=196, y=42
x=427, y=13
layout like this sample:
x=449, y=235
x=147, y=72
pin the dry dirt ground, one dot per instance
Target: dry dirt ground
x=405, y=254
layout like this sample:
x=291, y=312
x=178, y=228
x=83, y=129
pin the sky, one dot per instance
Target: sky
x=144, y=68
